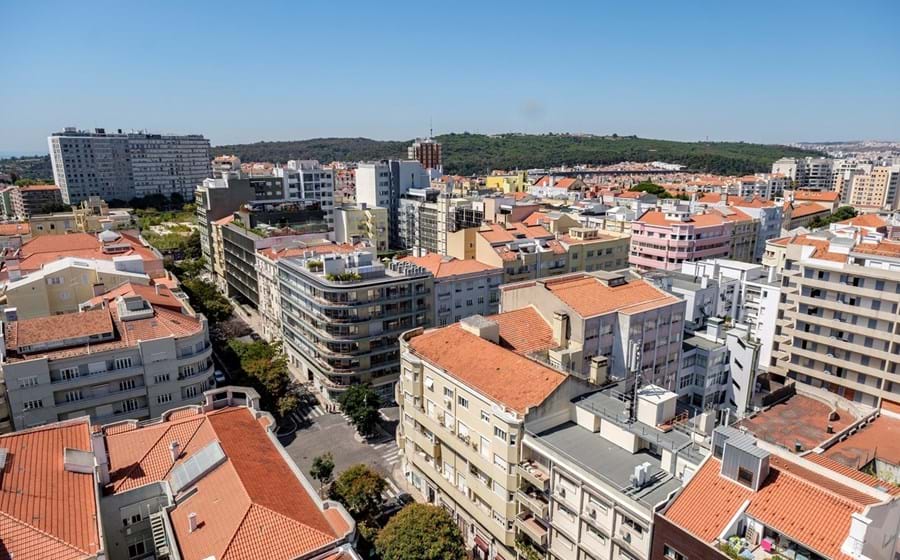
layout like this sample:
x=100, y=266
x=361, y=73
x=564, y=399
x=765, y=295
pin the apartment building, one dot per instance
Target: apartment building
x=124, y=165
x=664, y=240
x=464, y=399
x=427, y=217
x=268, y=288
x=342, y=313
x=876, y=190
x=61, y=286
x=354, y=223
x=630, y=326
x=251, y=230
x=591, y=480
x=426, y=151
x=382, y=184
x=837, y=324
x=178, y=486
x=461, y=287
x=751, y=499
x=132, y=352
x=34, y=199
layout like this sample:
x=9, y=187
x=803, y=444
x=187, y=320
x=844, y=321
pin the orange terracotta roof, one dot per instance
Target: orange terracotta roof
x=825, y=196
x=807, y=209
x=498, y=233
x=657, y=218
x=15, y=229
x=502, y=375
x=30, y=188
x=45, y=510
x=879, y=438
x=250, y=506
x=589, y=297
x=442, y=266
x=48, y=248
x=524, y=330
x=28, y=332
x=809, y=508
x=866, y=220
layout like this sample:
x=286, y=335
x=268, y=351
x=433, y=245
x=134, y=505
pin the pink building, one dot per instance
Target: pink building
x=663, y=240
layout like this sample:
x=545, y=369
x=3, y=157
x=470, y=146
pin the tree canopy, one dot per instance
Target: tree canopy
x=423, y=532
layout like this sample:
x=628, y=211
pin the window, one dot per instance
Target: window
x=499, y=433
x=672, y=554
x=32, y=405
x=462, y=401
x=485, y=416
x=745, y=476
x=30, y=381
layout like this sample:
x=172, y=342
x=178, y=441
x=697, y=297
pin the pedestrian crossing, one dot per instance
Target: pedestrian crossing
x=308, y=411
x=388, y=451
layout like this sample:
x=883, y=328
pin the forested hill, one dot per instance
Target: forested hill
x=468, y=154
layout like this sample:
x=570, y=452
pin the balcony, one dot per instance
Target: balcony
x=536, y=531
x=534, y=502
x=535, y=474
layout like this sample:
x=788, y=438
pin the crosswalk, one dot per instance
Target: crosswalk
x=388, y=451
x=308, y=411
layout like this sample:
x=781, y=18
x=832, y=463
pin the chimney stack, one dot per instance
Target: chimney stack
x=192, y=522
x=175, y=450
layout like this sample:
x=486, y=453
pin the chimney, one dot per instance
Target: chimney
x=560, y=326
x=192, y=522
x=174, y=450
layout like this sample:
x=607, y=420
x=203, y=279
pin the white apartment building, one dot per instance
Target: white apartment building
x=124, y=165
x=464, y=400
x=837, y=327
x=132, y=352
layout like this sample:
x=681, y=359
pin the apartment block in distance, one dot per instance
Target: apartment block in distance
x=342, y=314
x=124, y=165
x=464, y=398
x=625, y=326
x=132, y=352
x=837, y=325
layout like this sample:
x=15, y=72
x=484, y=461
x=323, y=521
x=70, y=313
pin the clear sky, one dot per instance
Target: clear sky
x=243, y=72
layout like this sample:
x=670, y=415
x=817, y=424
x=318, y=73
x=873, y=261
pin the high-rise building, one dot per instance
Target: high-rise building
x=427, y=152
x=342, y=314
x=124, y=165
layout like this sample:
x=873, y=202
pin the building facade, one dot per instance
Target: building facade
x=124, y=165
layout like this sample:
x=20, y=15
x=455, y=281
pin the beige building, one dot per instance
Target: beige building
x=358, y=222
x=876, y=190
x=61, y=286
x=464, y=399
x=837, y=326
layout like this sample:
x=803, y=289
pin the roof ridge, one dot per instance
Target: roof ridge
x=44, y=533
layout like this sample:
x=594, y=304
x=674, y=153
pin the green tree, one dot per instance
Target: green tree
x=360, y=489
x=423, y=532
x=323, y=469
x=360, y=403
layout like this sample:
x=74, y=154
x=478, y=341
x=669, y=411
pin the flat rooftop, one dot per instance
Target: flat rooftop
x=799, y=419
x=610, y=463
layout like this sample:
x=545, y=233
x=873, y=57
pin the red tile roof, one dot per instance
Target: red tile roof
x=807, y=507
x=442, y=266
x=590, y=297
x=251, y=506
x=45, y=510
x=502, y=375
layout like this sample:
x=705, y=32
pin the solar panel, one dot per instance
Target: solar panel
x=193, y=469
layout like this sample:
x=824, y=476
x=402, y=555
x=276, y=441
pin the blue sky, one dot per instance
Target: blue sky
x=757, y=71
